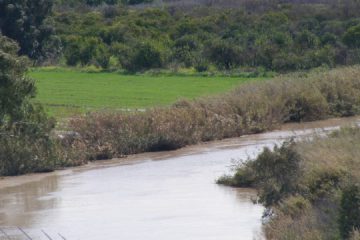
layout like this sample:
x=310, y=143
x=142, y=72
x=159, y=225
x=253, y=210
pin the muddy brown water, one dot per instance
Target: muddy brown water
x=153, y=196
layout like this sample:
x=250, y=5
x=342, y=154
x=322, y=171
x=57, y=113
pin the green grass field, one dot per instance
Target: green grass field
x=66, y=92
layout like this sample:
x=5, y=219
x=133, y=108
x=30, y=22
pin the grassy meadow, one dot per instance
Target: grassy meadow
x=66, y=92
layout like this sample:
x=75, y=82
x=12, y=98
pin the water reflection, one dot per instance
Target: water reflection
x=18, y=205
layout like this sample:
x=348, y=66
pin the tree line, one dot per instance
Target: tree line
x=108, y=34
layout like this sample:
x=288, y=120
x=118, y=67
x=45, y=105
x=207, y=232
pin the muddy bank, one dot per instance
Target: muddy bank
x=285, y=131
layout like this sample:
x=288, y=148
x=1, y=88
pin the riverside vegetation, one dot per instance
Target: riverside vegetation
x=209, y=35
x=26, y=141
x=265, y=35
x=251, y=108
x=310, y=188
x=277, y=36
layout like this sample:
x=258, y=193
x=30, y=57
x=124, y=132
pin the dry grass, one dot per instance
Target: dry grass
x=340, y=152
x=322, y=200
x=251, y=108
x=329, y=165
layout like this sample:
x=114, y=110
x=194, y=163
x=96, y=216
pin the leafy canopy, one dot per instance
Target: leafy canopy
x=27, y=22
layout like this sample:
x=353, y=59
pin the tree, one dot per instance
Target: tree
x=25, y=143
x=185, y=49
x=15, y=89
x=90, y=50
x=146, y=56
x=98, y=2
x=352, y=36
x=27, y=22
x=349, y=210
x=224, y=54
x=113, y=2
x=133, y=2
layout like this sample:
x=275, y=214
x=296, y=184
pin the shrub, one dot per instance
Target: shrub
x=26, y=142
x=86, y=51
x=146, y=56
x=186, y=50
x=275, y=173
x=314, y=197
x=350, y=210
x=352, y=36
x=225, y=55
x=252, y=108
x=295, y=206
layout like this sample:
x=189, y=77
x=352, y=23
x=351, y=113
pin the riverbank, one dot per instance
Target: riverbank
x=135, y=197
x=252, y=108
x=283, y=133
x=310, y=187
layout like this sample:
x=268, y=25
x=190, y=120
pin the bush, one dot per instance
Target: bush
x=352, y=36
x=86, y=51
x=282, y=37
x=350, y=210
x=310, y=188
x=186, y=50
x=275, y=173
x=225, y=55
x=145, y=56
x=26, y=142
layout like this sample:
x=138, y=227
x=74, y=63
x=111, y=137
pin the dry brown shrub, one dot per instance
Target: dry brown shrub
x=251, y=108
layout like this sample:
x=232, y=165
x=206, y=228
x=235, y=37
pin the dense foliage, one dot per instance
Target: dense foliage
x=15, y=89
x=27, y=22
x=23, y=127
x=26, y=144
x=94, y=3
x=271, y=35
x=310, y=188
x=282, y=37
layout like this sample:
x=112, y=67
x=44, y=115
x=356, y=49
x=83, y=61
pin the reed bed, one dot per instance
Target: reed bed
x=251, y=108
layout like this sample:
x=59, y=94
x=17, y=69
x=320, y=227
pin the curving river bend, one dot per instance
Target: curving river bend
x=154, y=196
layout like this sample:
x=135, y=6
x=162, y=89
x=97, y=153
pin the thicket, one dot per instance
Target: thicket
x=252, y=108
x=28, y=22
x=26, y=140
x=282, y=37
x=94, y=3
x=210, y=35
x=310, y=188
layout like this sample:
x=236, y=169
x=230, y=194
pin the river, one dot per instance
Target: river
x=152, y=196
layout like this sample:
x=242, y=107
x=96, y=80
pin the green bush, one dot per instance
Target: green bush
x=86, y=51
x=225, y=55
x=27, y=146
x=26, y=142
x=350, y=210
x=28, y=22
x=352, y=36
x=310, y=188
x=146, y=56
x=275, y=173
x=281, y=37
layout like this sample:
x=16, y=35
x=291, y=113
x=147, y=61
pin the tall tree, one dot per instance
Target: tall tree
x=25, y=142
x=15, y=88
x=26, y=21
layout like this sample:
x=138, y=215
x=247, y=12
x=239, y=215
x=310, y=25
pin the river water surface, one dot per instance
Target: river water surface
x=154, y=196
